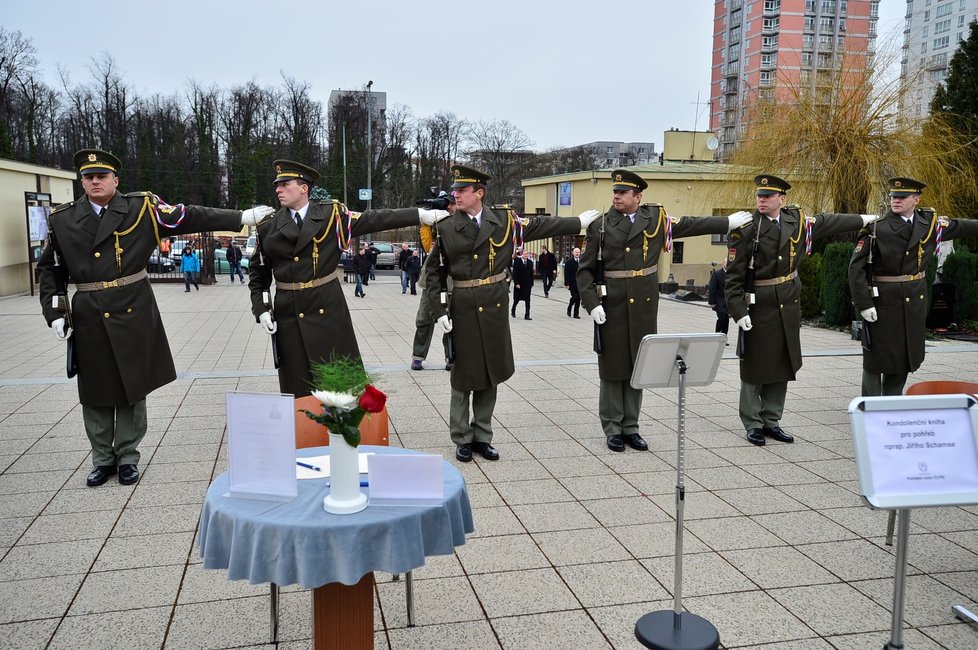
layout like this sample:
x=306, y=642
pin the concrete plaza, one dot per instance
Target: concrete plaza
x=573, y=542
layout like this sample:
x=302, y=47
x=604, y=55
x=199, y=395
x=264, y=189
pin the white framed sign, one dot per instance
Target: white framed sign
x=261, y=446
x=916, y=451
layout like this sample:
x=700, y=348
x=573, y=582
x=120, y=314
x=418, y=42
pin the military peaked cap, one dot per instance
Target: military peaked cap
x=901, y=186
x=622, y=179
x=766, y=184
x=462, y=176
x=287, y=170
x=96, y=161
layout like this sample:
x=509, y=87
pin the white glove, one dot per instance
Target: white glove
x=598, y=315
x=445, y=323
x=869, y=315
x=869, y=218
x=58, y=326
x=738, y=219
x=588, y=217
x=431, y=217
x=253, y=216
x=745, y=324
x=266, y=321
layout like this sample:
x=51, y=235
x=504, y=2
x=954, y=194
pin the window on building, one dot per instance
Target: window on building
x=823, y=41
x=806, y=59
x=961, y=20
x=772, y=5
x=923, y=47
x=923, y=32
x=810, y=6
x=960, y=36
x=944, y=10
x=769, y=42
x=840, y=43
x=843, y=8
x=826, y=24
x=842, y=24
x=677, y=252
x=769, y=59
x=772, y=23
x=874, y=8
x=828, y=6
x=808, y=41
x=937, y=76
x=734, y=35
x=942, y=26
x=809, y=23
x=926, y=15
x=941, y=42
x=767, y=77
x=733, y=53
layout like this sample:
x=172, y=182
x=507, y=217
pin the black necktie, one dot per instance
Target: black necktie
x=475, y=221
x=298, y=219
x=101, y=212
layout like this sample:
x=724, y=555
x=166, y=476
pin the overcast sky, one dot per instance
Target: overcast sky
x=565, y=72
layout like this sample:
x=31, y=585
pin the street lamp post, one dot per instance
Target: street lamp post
x=369, y=149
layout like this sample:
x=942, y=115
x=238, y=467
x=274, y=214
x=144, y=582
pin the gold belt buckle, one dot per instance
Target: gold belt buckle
x=305, y=285
x=108, y=284
x=483, y=281
x=635, y=273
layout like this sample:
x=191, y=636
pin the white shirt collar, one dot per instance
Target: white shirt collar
x=96, y=208
x=301, y=211
x=477, y=217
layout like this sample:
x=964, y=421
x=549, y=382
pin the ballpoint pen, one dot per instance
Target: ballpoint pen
x=308, y=466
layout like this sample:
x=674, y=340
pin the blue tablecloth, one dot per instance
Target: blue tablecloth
x=300, y=543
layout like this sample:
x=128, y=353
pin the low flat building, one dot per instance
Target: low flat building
x=24, y=186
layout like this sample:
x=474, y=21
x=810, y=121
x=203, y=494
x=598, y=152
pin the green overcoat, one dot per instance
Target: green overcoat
x=480, y=315
x=122, y=350
x=632, y=304
x=900, y=249
x=314, y=324
x=773, y=345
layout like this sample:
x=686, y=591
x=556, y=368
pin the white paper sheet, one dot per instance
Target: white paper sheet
x=322, y=462
x=261, y=445
x=406, y=479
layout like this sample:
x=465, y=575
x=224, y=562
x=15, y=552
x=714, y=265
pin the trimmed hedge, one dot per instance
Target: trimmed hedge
x=810, y=271
x=960, y=269
x=835, y=299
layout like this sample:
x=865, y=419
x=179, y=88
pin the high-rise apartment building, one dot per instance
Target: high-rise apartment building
x=931, y=35
x=759, y=45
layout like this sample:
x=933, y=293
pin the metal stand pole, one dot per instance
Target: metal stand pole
x=678, y=630
x=965, y=615
x=899, y=579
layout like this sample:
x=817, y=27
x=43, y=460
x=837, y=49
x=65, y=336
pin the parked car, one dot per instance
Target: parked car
x=221, y=262
x=386, y=257
x=159, y=264
x=249, y=248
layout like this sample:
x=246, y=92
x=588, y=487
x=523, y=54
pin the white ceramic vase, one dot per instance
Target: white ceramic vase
x=344, y=496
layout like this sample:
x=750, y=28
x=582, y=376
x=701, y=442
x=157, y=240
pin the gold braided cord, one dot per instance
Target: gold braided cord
x=118, y=248
x=793, y=242
x=920, y=246
x=317, y=242
x=494, y=245
x=646, y=236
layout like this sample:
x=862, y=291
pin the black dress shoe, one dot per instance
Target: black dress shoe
x=527, y=318
x=485, y=450
x=100, y=475
x=756, y=437
x=576, y=316
x=463, y=453
x=635, y=441
x=448, y=366
x=615, y=443
x=128, y=474
x=778, y=434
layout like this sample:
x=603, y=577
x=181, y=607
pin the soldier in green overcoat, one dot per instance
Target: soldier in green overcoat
x=104, y=239
x=887, y=279
x=773, y=243
x=629, y=237
x=478, y=243
x=302, y=243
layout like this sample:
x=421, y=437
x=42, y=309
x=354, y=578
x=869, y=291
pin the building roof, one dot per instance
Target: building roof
x=669, y=169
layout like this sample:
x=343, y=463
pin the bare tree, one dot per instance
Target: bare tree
x=438, y=140
x=18, y=60
x=501, y=150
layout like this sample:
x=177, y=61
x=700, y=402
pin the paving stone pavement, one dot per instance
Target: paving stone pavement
x=573, y=542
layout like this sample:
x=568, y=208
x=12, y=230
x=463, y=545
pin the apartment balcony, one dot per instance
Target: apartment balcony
x=733, y=70
x=730, y=87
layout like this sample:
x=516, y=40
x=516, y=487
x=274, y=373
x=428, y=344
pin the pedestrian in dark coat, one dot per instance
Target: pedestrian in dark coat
x=234, y=257
x=361, y=266
x=478, y=244
x=522, y=282
x=104, y=239
x=717, y=299
x=902, y=244
x=772, y=323
x=302, y=243
x=570, y=281
x=631, y=237
x=413, y=267
x=547, y=265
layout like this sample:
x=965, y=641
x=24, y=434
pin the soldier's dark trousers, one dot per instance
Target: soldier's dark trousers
x=423, y=332
x=761, y=405
x=618, y=407
x=115, y=432
x=479, y=429
x=575, y=303
x=876, y=384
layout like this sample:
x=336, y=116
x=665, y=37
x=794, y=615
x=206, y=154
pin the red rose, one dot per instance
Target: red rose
x=372, y=400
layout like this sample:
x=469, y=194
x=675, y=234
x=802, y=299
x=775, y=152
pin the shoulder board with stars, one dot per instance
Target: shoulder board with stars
x=139, y=195
x=65, y=206
x=734, y=235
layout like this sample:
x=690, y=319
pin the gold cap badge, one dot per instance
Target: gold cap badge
x=763, y=181
x=92, y=157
